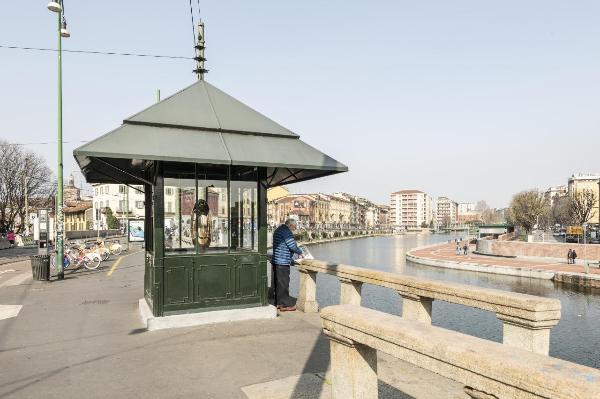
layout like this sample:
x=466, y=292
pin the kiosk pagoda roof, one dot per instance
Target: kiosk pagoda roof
x=202, y=124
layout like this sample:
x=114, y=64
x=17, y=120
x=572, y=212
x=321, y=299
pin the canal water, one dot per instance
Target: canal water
x=576, y=338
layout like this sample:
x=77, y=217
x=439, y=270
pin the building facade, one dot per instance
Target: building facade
x=552, y=193
x=586, y=181
x=114, y=196
x=446, y=211
x=466, y=213
x=78, y=216
x=410, y=209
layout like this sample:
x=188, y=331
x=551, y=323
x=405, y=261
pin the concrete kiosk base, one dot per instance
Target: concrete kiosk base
x=198, y=319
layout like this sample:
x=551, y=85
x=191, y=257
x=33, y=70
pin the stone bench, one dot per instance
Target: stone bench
x=487, y=369
x=526, y=319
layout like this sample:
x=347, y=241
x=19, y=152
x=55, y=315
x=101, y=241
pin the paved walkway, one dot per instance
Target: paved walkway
x=446, y=252
x=83, y=338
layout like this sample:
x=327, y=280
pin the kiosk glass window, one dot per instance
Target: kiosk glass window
x=213, y=216
x=180, y=197
x=244, y=216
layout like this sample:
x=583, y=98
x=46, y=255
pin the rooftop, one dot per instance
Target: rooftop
x=409, y=192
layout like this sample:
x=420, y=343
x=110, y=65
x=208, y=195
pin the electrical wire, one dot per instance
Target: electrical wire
x=96, y=52
x=199, y=16
x=193, y=24
x=44, y=143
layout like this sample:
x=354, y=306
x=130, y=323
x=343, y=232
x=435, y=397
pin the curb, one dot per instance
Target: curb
x=475, y=267
x=571, y=278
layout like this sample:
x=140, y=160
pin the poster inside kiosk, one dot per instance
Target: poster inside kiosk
x=136, y=230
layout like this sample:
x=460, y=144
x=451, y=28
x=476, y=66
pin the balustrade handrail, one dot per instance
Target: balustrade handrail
x=527, y=319
x=527, y=307
x=486, y=369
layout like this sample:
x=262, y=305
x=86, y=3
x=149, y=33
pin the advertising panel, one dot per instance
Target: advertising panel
x=136, y=230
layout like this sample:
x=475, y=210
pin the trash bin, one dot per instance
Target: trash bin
x=40, y=267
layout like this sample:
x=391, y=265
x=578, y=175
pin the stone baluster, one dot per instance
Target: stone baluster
x=353, y=369
x=533, y=336
x=307, y=295
x=416, y=308
x=349, y=291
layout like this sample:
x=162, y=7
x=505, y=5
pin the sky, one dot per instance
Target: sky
x=466, y=99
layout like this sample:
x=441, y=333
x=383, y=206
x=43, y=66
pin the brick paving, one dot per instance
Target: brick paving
x=446, y=252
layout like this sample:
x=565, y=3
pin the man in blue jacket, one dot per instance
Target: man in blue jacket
x=284, y=247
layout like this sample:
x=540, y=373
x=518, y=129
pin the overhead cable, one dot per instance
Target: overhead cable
x=96, y=52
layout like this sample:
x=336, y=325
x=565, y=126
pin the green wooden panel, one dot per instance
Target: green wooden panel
x=246, y=280
x=212, y=282
x=176, y=285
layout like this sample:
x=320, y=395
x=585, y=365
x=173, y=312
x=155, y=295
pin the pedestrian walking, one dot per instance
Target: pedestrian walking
x=573, y=256
x=569, y=255
x=10, y=236
x=465, y=248
x=457, y=248
x=284, y=247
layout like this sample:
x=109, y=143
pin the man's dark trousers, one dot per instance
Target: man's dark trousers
x=283, y=287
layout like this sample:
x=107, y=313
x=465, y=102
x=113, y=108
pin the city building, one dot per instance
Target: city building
x=114, y=196
x=446, y=211
x=410, y=209
x=467, y=213
x=78, y=216
x=384, y=216
x=552, y=193
x=586, y=181
x=275, y=194
x=340, y=211
x=465, y=207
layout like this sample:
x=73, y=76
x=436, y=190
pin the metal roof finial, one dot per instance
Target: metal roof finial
x=200, y=71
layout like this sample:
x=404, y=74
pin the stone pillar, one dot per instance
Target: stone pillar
x=349, y=291
x=416, y=308
x=529, y=335
x=307, y=295
x=353, y=369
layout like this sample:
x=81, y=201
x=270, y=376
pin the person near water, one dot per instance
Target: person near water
x=284, y=248
x=457, y=248
x=465, y=248
x=573, y=256
x=569, y=255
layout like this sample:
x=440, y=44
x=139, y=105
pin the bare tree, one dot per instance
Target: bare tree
x=561, y=211
x=582, y=206
x=23, y=172
x=527, y=207
x=447, y=220
x=481, y=206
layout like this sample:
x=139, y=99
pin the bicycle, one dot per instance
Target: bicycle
x=77, y=256
x=101, y=250
x=115, y=248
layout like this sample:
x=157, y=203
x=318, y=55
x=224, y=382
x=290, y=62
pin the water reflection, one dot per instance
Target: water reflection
x=576, y=338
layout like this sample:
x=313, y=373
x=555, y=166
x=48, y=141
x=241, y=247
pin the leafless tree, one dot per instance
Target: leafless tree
x=527, y=207
x=561, y=211
x=22, y=172
x=447, y=221
x=582, y=205
x=481, y=206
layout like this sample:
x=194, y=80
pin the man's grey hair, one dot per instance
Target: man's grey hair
x=291, y=220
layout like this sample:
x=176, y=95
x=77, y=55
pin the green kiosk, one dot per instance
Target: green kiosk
x=204, y=162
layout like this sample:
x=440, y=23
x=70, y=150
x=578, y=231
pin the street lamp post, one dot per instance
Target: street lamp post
x=62, y=31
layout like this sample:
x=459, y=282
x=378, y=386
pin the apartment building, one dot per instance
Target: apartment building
x=410, y=208
x=446, y=211
x=552, y=193
x=114, y=196
x=586, y=181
